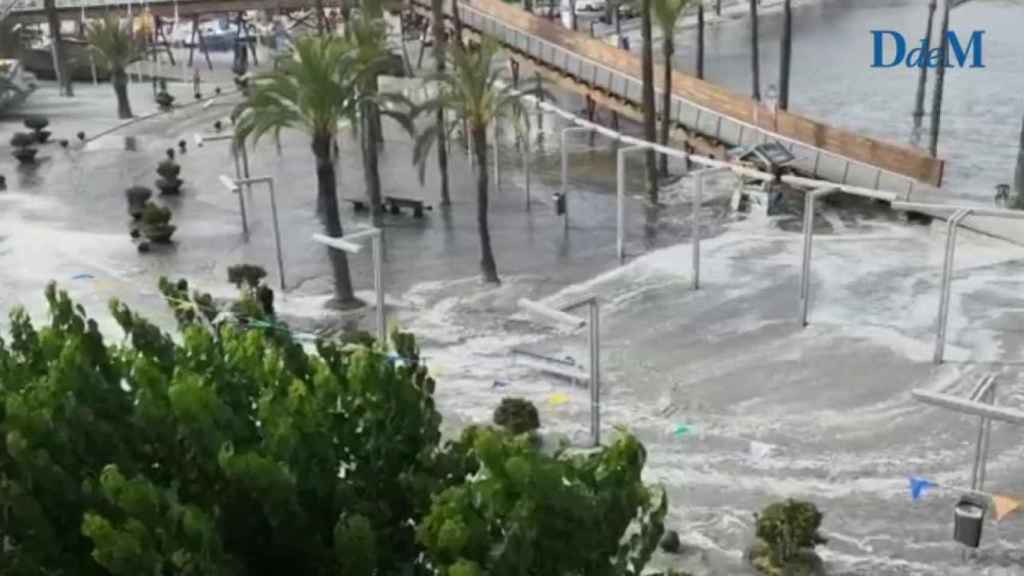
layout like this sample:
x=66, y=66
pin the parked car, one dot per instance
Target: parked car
x=627, y=10
x=590, y=5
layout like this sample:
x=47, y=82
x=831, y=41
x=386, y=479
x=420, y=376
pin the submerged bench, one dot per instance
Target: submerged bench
x=358, y=204
x=395, y=205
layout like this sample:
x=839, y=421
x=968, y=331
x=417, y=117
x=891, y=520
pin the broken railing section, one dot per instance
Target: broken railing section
x=957, y=214
x=561, y=318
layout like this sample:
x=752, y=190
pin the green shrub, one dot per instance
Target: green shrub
x=526, y=512
x=153, y=215
x=36, y=123
x=517, y=415
x=788, y=534
x=249, y=275
x=206, y=453
x=223, y=450
x=22, y=140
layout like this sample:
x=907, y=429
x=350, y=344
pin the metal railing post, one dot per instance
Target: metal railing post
x=952, y=226
x=526, y=168
x=378, y=286
x=984, y=427
x=565, y=166
x=620, y=195
x=810, y=199
x=241, y=197
x=595, y=372
x=277, y=232
x=698, y=200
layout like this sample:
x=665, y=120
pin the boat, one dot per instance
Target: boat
x=15, y=84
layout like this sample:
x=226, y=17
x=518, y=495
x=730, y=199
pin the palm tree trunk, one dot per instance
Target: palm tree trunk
x=922, y=78
x=487, y=266
x=60, y=69
x=327, y=199
x=650, y=131
x=119, y=78
x=785, y=55
x=437, y=24
x=371, y=170
x=700, y=40
x=755, y=66
x=321, y=19
x=667, y=46
x=457, y=19
x=940, y=78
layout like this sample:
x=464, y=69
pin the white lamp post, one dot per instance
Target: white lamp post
x=560, y=317
x=347, y=243
x=241, y=172
x=235, y=185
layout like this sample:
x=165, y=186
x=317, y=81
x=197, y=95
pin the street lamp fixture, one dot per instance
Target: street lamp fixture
x=560, y=317
x=234, y=185
x=348, y=243
x=241, y=171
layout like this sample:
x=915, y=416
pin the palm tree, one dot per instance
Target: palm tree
x=472, y=90
x=437, y=26
x=313, y=90
x=922, y=79
x=755, y=66
x=650, y=133
x=700, y=39
x=368, y=43
x=113, y=40
x=667, y=13
x=785, y=55
x=940, y=79
x=60, y=68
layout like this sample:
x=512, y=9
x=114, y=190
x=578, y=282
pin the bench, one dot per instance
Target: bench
x=395, y=205
x=358, y=204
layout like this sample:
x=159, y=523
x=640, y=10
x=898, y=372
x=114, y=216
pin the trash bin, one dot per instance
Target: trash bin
x=967, y=518
x=559, y=200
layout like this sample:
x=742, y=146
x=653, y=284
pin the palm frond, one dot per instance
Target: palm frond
x=114, y=42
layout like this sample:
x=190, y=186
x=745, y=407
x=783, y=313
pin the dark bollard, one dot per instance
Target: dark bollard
x=1002, y=195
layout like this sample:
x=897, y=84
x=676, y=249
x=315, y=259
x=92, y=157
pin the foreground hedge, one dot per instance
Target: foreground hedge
x=229, y=449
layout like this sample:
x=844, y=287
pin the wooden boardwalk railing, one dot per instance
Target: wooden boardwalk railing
x=823, y=151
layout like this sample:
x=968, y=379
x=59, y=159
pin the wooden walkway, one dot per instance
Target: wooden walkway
x=822, y=151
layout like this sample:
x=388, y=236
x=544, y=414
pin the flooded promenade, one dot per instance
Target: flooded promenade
x=828, y=406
